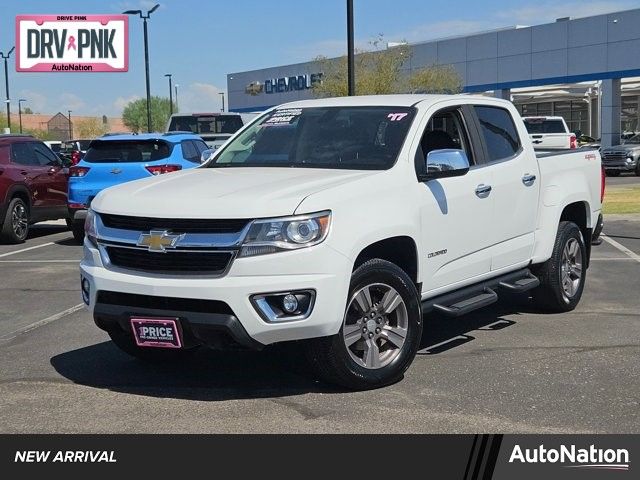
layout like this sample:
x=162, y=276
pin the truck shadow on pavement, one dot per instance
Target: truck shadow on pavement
x=37, y=231
x=277, y=371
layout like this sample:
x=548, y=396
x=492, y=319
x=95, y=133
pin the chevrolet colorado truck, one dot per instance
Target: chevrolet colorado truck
x=339, y=223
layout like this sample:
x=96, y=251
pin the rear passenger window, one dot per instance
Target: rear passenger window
x=190, y=152
x=499, y=132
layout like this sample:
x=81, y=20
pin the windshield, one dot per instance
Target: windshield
x=535, y=125
x=118, y=151
x=634, y=139
x=206, y=124
x=358, y=138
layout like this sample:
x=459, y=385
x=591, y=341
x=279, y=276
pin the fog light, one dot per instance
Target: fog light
x=86, y=290
x=284, y=306
x=290, y=303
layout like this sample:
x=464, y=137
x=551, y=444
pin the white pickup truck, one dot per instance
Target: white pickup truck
x=550, y=133
x=341, y=222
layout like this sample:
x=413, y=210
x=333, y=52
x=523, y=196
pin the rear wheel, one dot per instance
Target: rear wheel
x=16, y=222
x=562, y=277
x=77, y=228
x=149, y=354
x=380, y=333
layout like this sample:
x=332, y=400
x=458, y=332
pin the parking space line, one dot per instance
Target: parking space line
x=621, y=247
x=26, y=249
x=41, y=323
x=47, y=261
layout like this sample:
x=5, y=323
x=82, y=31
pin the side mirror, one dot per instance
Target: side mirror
x=207, y=155
x=445, y=163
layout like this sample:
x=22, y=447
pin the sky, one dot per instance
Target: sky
x=200, y=42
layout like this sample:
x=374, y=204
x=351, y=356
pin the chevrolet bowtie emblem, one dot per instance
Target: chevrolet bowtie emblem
x=116, y=171
x=159, y=240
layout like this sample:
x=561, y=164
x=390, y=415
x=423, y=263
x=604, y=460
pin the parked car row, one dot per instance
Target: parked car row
x=37, y=184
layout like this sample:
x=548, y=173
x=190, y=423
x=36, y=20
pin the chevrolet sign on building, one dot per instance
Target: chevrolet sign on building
x=295, y=82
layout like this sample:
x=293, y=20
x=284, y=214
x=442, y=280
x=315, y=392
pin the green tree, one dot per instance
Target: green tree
x=379, y=71
x=90, y=128
x=27, y=111
x=134, y=114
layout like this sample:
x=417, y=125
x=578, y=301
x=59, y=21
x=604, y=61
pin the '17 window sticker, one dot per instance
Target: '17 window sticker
x=396, y=117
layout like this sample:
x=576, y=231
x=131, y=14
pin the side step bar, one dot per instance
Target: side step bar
x=467, y=299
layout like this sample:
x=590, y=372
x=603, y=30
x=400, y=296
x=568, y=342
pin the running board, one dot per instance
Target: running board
x=467, y=299
x=487, y=297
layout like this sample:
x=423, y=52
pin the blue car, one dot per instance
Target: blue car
x=115, y=159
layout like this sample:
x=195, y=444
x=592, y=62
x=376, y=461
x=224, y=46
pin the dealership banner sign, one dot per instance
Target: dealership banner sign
x=72, y=43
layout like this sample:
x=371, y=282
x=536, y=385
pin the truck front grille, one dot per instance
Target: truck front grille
x=187, y=262
x=614, y=156
x=182, y=225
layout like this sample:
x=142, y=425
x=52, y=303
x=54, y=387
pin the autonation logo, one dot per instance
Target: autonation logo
x=574, y=457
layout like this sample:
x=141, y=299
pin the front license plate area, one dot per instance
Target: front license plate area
x=156, y=332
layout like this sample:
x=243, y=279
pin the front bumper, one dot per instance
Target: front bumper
x=319, y=268
x=620, y=165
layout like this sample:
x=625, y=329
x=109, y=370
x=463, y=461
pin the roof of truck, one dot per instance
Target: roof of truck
x=404, y=100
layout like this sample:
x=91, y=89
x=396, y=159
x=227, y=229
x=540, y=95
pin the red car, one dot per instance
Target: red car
x=33, y=186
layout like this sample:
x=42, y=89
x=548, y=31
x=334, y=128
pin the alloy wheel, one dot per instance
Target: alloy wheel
x=571, y=268
x=375, y=325
x=19, y=220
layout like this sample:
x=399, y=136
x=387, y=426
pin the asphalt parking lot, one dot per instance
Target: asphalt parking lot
x=501, y=369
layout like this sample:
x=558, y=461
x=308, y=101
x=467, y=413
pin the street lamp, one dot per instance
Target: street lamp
x=176, y=88
x=20, y=111
x=6, y=84
x=170, y=94
x=146, y=56
x=70, y=127
x=222, y=93
x=351, y=82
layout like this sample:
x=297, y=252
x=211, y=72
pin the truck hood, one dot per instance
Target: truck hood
x=630, y=147
x=243, y=192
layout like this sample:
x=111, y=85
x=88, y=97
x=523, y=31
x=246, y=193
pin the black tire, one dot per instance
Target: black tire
x=612, y=173
x=69, y=222
x=15, y=228
x=126, y=343
x=330, y=356
x=550, y=295
x=638, y=168
x=77, y=228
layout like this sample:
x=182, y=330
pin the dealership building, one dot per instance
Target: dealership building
x=586, y=70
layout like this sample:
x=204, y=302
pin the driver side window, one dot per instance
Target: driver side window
x=446, y=130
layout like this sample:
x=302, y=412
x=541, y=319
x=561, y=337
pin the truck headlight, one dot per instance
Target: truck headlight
x=285, y=233
x=90, y=229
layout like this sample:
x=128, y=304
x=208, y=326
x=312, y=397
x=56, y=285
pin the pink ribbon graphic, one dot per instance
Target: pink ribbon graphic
x=72, y=43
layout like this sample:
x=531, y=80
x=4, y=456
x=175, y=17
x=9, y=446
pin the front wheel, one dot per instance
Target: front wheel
x=380, y=334
x=562, y=277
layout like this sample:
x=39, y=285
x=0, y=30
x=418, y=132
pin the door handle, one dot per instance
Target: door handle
x=528, y=179
x=483, y=190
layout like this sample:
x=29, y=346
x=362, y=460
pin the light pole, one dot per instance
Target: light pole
x=177, y=106
x=351, y=82
x=20, y=111
x=222, y=93
x=6, y=84
x=170, y=94
x=146, y=56
x=70, y=127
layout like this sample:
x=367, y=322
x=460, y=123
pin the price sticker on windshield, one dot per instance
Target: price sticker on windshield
x=286, y=116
